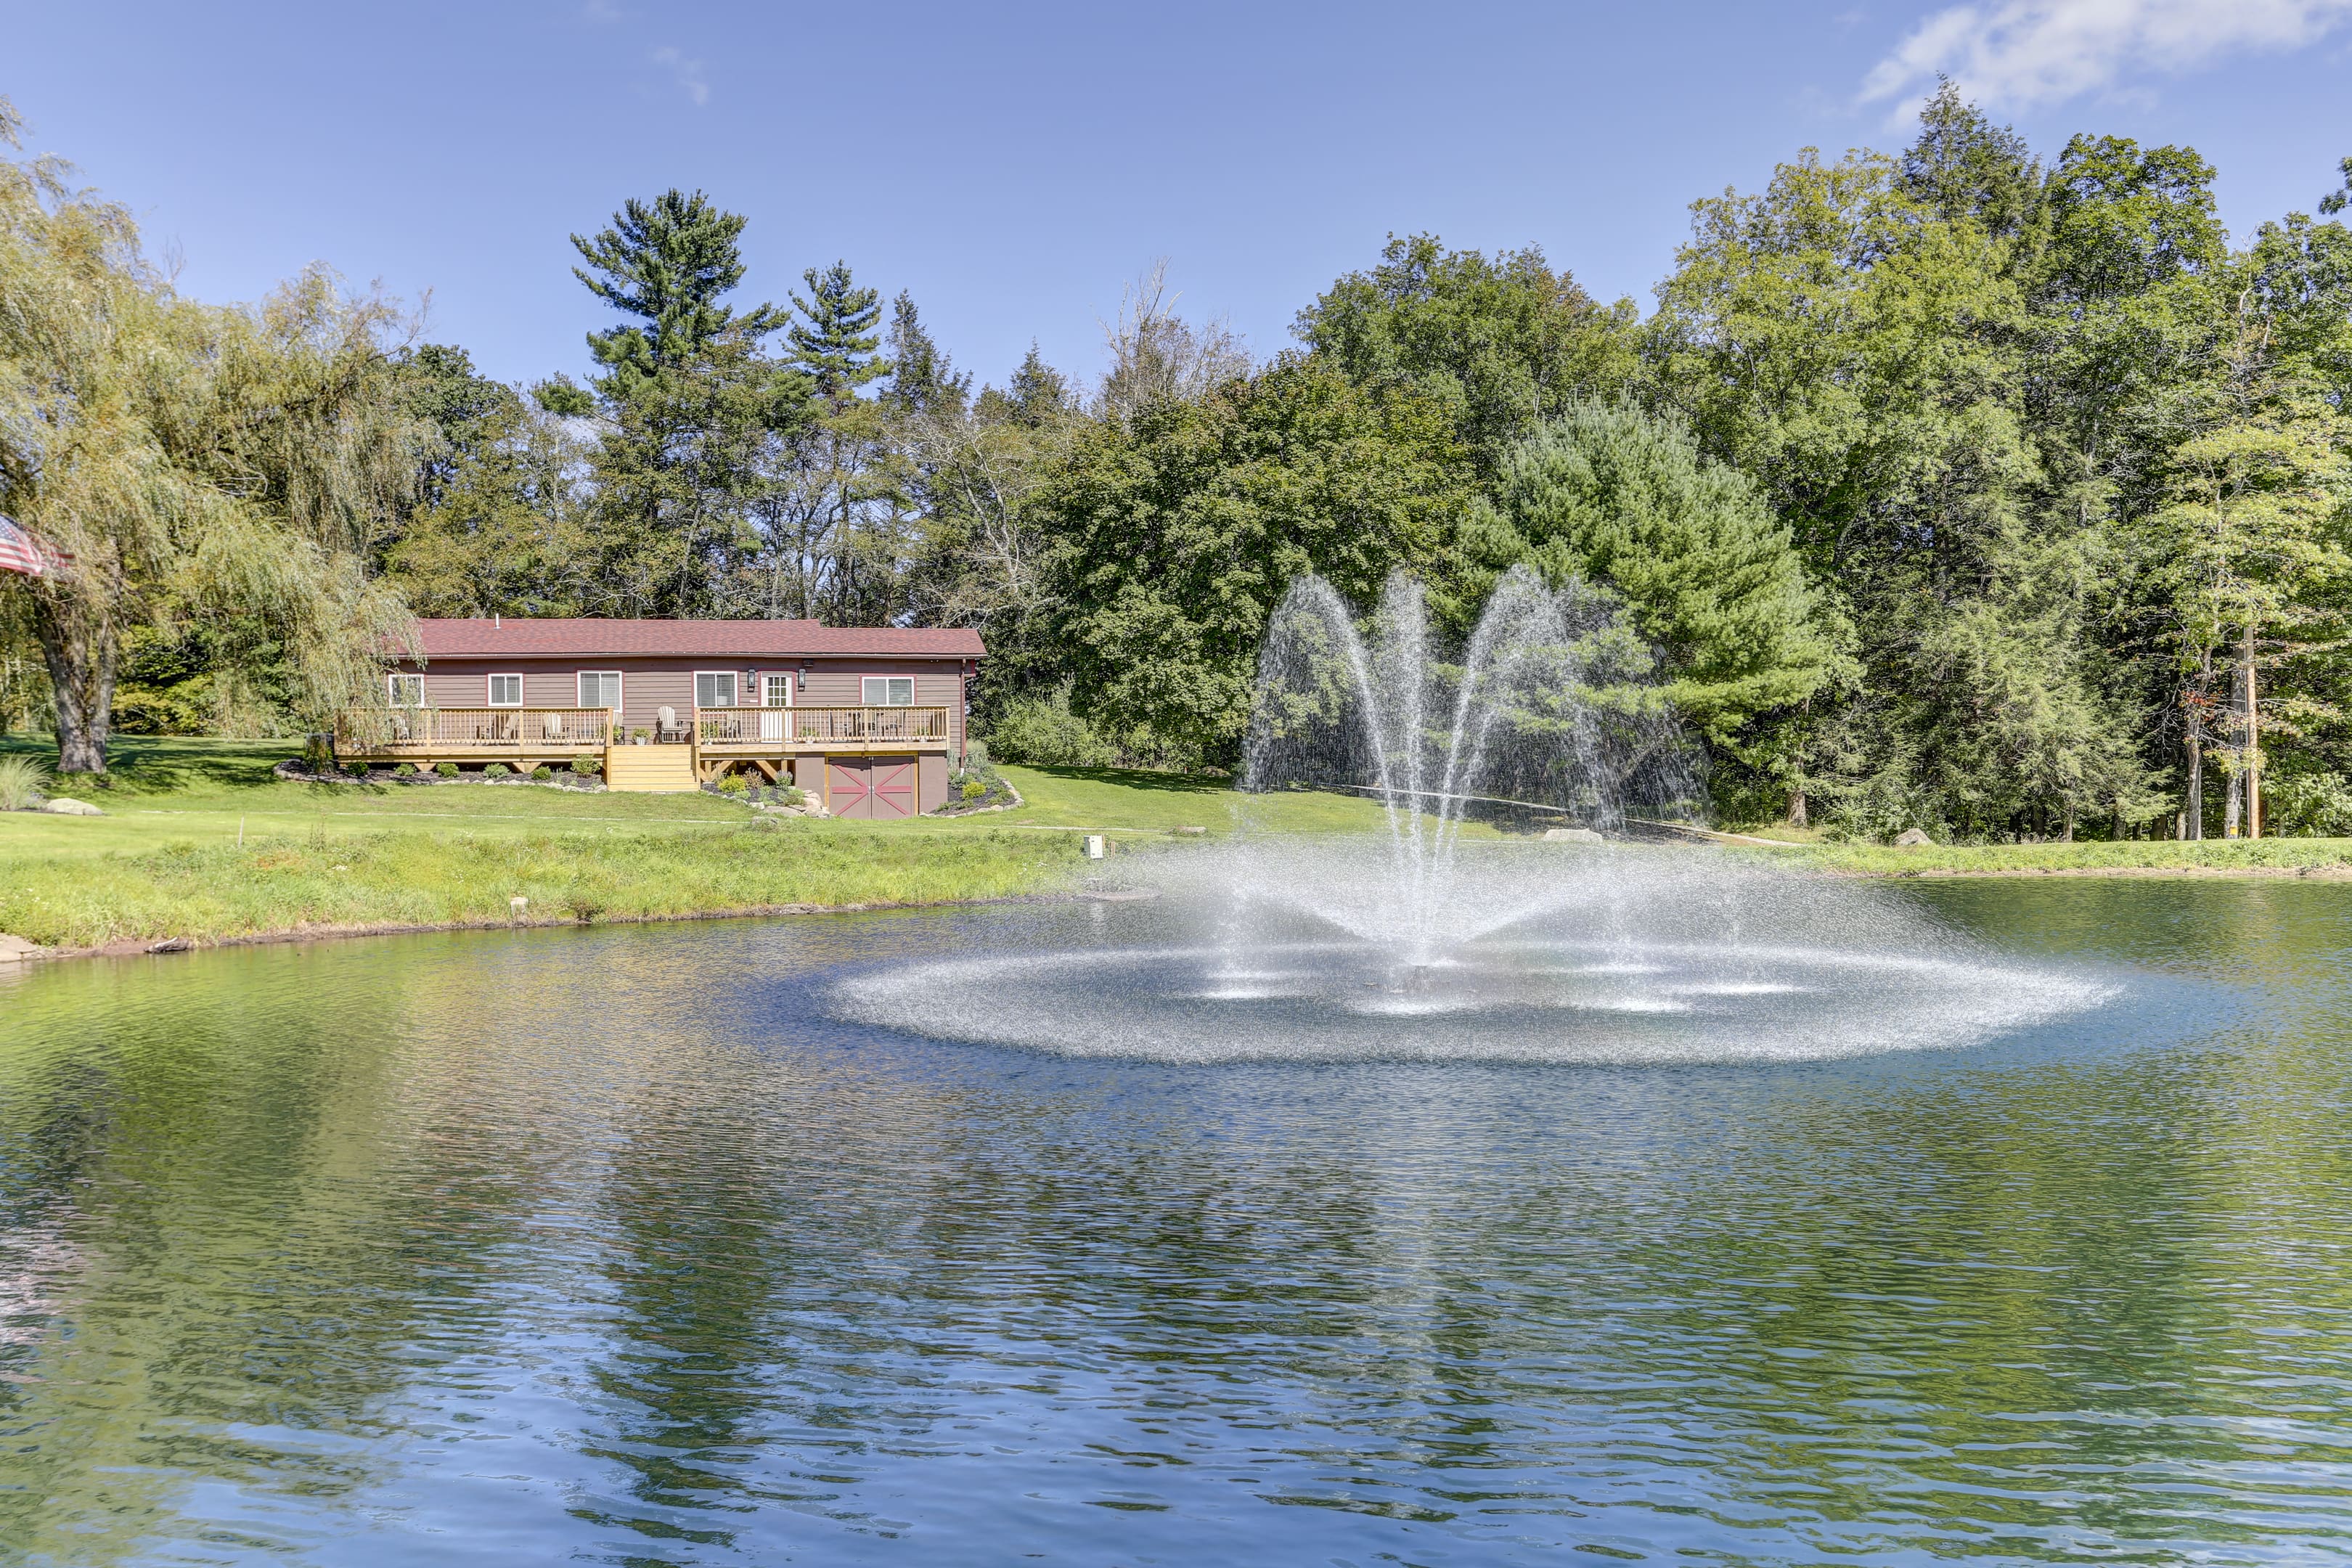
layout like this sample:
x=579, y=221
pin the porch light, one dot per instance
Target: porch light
x=803, y=683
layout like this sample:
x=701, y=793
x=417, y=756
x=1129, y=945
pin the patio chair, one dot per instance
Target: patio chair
x=667, y=730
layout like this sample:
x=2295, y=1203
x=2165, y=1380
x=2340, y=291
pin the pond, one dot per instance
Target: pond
x=625, y=1246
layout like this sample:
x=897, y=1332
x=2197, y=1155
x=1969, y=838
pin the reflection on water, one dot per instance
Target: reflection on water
x=608, y=1246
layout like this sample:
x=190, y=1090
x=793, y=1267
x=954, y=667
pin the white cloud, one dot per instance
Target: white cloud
x=2028, y=52
x=688, y=73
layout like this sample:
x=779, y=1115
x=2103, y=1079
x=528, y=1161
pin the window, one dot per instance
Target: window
x=889, y=690
x=408, y=691
x=506, y=692
x=600, y=689
x=780, y=691
x=714, y=689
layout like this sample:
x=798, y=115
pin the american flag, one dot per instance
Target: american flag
x=18, y=552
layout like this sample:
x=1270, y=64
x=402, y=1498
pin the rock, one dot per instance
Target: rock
x=16, y=949
x=64, y=805
x=1912, y=838
x=172, y=944
x=1572, y=836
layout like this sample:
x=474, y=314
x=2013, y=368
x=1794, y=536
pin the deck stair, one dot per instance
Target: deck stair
x=650, y=769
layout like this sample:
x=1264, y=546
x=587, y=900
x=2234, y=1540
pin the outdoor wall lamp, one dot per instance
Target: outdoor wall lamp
x=804, y=682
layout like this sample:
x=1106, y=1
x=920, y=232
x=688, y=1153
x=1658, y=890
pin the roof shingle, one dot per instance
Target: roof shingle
x=713, y=639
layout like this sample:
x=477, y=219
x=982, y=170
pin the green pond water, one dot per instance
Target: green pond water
x=619, y=1246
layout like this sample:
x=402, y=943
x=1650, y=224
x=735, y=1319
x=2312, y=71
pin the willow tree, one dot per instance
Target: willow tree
x=181, y=460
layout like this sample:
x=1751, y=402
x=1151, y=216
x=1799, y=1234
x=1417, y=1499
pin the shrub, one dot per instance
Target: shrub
x=1043, y=732
x=543, y=773
x=587, y=767
x=792, y=794
x=734, y=784
x=23, y=780
x=975, y=755
x=497, y=771
x=973, y=789
x=2317, y=804
x=447, y=770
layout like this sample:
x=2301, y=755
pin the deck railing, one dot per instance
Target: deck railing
x=396, y=730
x=758, y=728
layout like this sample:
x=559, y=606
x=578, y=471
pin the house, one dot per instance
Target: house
x=870, y=719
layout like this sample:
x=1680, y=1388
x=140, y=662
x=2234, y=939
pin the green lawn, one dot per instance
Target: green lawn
x=202, y=840
x=1123, y=801
x=167, y=860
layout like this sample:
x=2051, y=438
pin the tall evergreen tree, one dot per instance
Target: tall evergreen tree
x=668, y=263
x=837, y=530
x=1624, y=499
x=835, y=337
x=922, y=379
x=689, y=405
x=1037, y=395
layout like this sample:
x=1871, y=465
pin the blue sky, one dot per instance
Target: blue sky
x=1012, y=165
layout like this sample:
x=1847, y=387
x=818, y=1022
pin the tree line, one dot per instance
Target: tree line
x=1966, y=487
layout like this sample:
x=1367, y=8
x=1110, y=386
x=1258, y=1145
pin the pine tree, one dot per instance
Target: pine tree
x=834, y=340
x=923, y=380
x=840, y=527
x=1617, y=497
x=667, y=263
x=1039, y=393
x=689, y=403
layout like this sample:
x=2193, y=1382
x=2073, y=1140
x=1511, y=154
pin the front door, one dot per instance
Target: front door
x=775, y=720
x=874, y=788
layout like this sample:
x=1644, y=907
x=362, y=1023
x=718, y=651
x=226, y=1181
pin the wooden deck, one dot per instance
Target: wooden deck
x=764, y=741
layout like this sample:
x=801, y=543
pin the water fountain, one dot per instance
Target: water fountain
x=1553, y=707
x=1428, y=940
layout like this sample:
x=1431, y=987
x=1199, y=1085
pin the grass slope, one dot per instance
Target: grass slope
x=166, y=860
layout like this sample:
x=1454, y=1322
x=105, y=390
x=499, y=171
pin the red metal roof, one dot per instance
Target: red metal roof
x=699, y=639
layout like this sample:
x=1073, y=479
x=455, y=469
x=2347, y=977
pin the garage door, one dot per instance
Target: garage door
x=872, y=787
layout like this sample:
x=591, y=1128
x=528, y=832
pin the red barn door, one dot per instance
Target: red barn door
x=846, y=791
x=890, y=791
x=879, y=788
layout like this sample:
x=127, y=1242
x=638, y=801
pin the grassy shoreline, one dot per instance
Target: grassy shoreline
x=202, y=846
x=327, y=882
x=2323, y=858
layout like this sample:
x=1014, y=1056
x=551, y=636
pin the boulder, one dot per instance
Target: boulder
x=1572, y=836
x=1911, y=839
x=64, y=805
